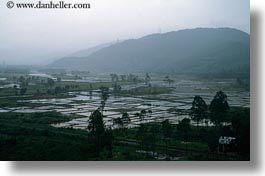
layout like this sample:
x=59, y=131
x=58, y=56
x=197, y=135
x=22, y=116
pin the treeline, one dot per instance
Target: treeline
x=228, y=122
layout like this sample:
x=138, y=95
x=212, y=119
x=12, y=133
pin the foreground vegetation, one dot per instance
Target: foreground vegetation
x=30, y=137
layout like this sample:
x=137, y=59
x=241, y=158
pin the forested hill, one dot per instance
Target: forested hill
x=200, y=51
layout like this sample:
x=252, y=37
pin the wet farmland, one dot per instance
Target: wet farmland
x=172, y=106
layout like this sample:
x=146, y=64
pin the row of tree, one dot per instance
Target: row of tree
x=130, y=78
x=216, y=112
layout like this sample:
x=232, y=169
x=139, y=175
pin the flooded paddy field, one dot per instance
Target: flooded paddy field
x=158, y=107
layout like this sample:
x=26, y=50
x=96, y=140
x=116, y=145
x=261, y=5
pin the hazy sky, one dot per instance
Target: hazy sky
x=45, y=32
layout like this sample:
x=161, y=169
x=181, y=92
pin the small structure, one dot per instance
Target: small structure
x=227, y=144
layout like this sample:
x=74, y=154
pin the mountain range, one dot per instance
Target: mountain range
x=198, y=51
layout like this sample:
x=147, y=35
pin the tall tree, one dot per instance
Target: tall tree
x=104, y=96
x=147, y=78
x=21, y=80
x=118, y=121
x=50, y=82
x=114, y=77
x=96, y=124
x=219, y=108
x=125, y=118
x=183, y=129
x=116, y=88
x=168, y=80
x=150, y=112
x=97, y=128
x=142, y=114
x=198, y=109
x=167, y=129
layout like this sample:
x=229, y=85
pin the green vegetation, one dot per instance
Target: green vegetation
x=219, y=108
x=198, y=109
x=33, y=137
x=30, y=137
x=56, y=88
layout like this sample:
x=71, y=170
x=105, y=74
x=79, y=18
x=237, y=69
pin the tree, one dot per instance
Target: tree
x=97, y=128
x=219, y=108
x=167, y=129
x=184, y=128
x=23, y=91
x=133, y=78
x=168, y=80
x=137, y=114
x=38, y=92
x=150, y=112
x=104, y=96
x=116, y=88
x=125, y=118
x=48, y=91
x=114, y=77
x=90, y=90
x=147, y=78
x=57, y=90
x=142, y=114
x=96, y=124
x=198, y=109
x=240, y=119
x=50, y=82
x=21, y=79
x=118, y=121
x=123, y=77
x=67, y=87
x=16, y=91
x=102, y=137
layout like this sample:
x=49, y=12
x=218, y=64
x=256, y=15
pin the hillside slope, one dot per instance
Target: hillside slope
x=200, y=50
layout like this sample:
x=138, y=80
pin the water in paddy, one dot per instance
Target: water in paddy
x=157, y=110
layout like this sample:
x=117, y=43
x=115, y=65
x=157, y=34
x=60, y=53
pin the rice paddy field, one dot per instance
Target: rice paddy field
x=173, y=105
